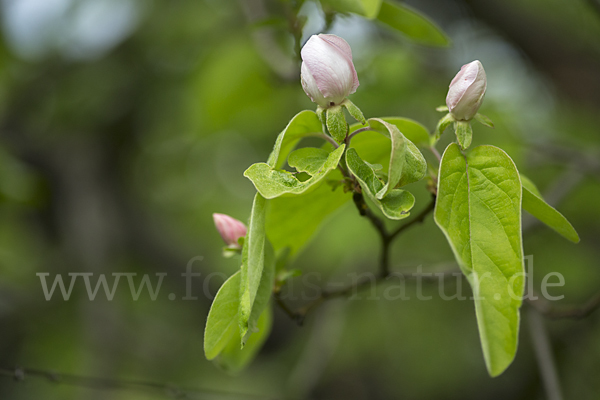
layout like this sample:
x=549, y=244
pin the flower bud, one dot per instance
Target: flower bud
x=230, y=229
x=466, y=91
x=327, y=72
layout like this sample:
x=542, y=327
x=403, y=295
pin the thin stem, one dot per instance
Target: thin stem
x=436, y=153
x=417, y=220
x=355, y=287
x=356, y=132
x=294, y=315
x=545, y=308
x=324, y=137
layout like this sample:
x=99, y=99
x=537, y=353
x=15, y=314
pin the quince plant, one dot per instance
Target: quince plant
x=477, y=198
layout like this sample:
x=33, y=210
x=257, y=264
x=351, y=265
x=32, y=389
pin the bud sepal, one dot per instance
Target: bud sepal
x=336, y=123
x=442, y=124
x=464, y=133
x=484, y=120
x=354, y=111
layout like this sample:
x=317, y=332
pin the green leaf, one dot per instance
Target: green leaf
x=396, y=205
x=221, y=324
x=442, y=124
x=336, y=123
x=272, y=183
x=304, y=124
x=412, y=24
x=530, y=186
x=293, y=221
x=233, y=358
x=376, y=148
x=366, y=8
x=354, y=111
x=253, y=264
x=534, y=204
x=397, y=156
x=308, y=159
x=263, y=293
x=222, y=333
x=482, y=119
x=407, y=164
x=442, y=109
x=464, y=133
x=479, y=210
x=411, y=129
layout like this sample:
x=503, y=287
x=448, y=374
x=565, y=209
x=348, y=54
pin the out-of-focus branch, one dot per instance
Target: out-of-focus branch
x=266, y=43
x=360, y=285
x=566, y=312
x=544, y=356
x=21, y=374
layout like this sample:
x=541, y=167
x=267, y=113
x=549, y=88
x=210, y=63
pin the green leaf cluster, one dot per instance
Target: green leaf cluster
x=480, y=198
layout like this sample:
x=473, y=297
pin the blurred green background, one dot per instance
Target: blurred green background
x=124, y=124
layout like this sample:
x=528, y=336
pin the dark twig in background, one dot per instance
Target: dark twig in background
x=577, y=312
x=172, y=391
x=384, y=268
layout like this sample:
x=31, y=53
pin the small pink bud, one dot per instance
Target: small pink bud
x=230, y=229
x=327, y=73
x=466, y=91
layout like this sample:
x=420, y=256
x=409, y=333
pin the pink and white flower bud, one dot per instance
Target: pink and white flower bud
x=327, y=73
x=230, y=229
x=466, y=91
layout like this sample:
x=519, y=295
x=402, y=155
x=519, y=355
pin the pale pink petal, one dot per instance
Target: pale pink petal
x=310, y=87
x=229, y=228
x=330, y=67
x=339, y=43
x=344, y=47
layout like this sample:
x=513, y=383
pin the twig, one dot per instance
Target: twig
x=436, y=153
x=294, y=315
x=324, y=137
x=384, y=269
x=543, y=354
x=417, y=220
x=21, y=374
x=545, y=308
x=356, y=132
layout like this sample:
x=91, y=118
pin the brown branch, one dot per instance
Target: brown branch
x=384, y=268
x=417, y=220
x=354, y=288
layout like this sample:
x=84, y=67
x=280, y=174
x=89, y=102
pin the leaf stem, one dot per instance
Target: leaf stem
x=324, y=137
x=356, y=132
x=436, y=153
